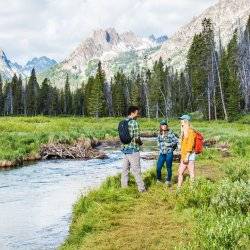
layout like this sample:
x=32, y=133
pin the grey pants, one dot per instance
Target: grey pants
x=132, y=162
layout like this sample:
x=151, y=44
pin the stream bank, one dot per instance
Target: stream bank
x=81, y=149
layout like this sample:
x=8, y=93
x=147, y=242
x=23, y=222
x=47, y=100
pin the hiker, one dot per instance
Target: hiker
x=167, y=142
x=130, y=137
x=187, y=149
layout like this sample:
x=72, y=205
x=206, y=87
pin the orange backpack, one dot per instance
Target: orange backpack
x=199, y=141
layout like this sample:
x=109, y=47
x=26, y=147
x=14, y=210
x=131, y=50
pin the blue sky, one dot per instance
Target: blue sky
x=30, y=28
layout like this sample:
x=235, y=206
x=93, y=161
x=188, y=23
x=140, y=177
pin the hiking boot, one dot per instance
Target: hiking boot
x=168, y=183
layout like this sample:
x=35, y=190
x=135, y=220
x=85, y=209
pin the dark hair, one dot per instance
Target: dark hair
x=161, y=128
x=132, y=109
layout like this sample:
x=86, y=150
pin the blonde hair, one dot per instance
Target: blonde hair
x=184, y=131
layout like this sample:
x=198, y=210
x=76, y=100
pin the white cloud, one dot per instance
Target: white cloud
x=54, y=28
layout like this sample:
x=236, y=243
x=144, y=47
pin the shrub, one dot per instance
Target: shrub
x=233, y=197
x=222, y=231
x=245, y=119
x=196, y=195
x=238, y=171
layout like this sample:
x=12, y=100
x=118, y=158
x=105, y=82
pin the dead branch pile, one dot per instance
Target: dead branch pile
x=81, y=149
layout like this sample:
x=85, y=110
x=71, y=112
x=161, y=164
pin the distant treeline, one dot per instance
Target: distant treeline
x=215, y=81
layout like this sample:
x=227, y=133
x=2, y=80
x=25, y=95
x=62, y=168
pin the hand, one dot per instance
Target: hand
x=139, y=141
x=186, y=160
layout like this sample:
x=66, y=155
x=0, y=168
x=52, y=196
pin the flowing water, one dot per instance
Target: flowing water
x=36, y=200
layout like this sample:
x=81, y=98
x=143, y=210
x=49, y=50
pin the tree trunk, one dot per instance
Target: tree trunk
x=214, y=90
x=157, y=111
x=209, y=104
x=146, y=99
x=221, y=90
x=165, y=103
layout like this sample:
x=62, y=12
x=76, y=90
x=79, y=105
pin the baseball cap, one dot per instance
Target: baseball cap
x=185, y=117
x=163, y=122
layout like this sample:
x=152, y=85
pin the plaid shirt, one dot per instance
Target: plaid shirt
x=167, y=142
x=134, y=131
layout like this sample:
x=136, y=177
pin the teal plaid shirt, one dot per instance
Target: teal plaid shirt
x=167, y=142
x=134, y=131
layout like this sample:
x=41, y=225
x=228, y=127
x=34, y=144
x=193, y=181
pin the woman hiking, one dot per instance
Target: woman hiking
x=187, y=149
x=167, y=142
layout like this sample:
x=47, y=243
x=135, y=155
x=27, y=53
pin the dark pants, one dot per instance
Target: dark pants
x=168, y=158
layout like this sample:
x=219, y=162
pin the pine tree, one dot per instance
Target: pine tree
x=233, y=79
x=144, y=93
x=78, y=101
x=199, y=69
x=19, y=96
x=8, y=93
x=156, y=88
x=67, y=98
x=32, y=94
x=96, y=99
x=108, y=98
x=179, y=90
x=87, y=95
x=167, y=92
x=14, y=83
x=118, y=94
x=44, y=98
x=55, y=108
x=135, y=91
x=61, y=101
x=101, y=107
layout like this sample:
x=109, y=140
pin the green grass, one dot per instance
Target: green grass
x=211, y=214
x=112, y=218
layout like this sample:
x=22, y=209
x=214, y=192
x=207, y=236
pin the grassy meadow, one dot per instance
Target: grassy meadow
x=213, y=213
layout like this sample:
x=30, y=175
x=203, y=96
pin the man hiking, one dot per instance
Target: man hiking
x=129, y=133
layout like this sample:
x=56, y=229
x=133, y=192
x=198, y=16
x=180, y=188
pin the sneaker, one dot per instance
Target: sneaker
x=158, y=182
x=168, y=183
